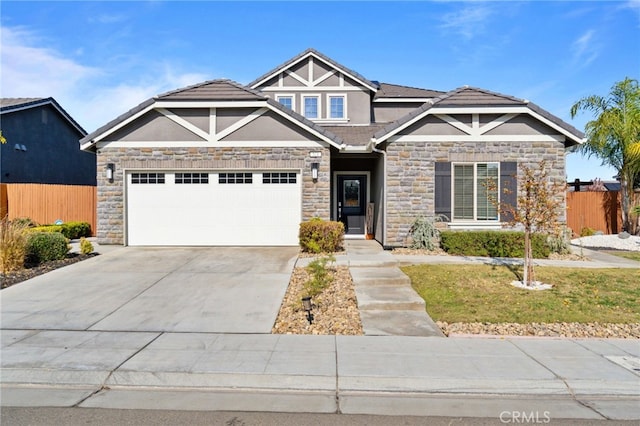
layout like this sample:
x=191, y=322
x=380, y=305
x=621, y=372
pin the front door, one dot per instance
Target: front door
x=352, y=199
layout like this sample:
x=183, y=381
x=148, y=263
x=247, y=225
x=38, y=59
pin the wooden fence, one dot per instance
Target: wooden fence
x=45, y=204
x=599, y=211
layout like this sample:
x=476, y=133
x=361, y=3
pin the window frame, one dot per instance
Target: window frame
x=235, y=178
x=287, y=95
x=303, y=108
x=279, y=178
x=148, y=178
x=344, y=106
x=475, y=218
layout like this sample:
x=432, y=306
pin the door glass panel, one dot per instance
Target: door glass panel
x=351, y=193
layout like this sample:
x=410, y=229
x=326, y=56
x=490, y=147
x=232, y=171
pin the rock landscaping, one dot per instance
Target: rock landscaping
x=30, y=271
x=573, y=330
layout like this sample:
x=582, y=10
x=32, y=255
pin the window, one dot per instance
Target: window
x=233, y=178
x=269, y=178
x=336, y=107
x=186, y=178
x=147, y=178
x=475, y=191
x=285, y=100
x=311, y=106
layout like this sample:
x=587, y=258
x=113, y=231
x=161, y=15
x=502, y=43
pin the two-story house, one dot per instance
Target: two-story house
x=219, y=163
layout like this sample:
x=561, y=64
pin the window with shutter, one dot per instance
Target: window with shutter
x=475, y=191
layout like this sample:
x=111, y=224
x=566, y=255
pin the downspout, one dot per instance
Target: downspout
x=372, y=146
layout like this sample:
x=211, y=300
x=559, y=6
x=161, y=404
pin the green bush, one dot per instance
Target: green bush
x=25, y=222
x=12, y=245
x=85, y=246
x=75, y=230
x=71, y=230
x=492, y=243
x=46, y=246
x=320, y=236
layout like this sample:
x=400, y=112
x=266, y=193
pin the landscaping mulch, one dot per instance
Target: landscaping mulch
x=30, y=271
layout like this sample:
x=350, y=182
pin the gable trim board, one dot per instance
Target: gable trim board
x=220, y=126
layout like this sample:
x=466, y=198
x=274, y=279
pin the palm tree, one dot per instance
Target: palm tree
x=614, y=135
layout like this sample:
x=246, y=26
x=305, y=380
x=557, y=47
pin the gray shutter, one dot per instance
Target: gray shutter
x=443, y=189
x=508, y=180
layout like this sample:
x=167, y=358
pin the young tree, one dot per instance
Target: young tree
x=539, y=203
x=614, y=136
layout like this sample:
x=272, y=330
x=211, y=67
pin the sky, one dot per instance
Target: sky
x=100, y=59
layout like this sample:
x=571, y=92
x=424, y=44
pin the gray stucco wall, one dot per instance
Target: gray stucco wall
x=52, y=153
x=411, y=174
x=315, y=195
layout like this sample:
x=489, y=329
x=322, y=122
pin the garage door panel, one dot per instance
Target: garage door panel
x=214, y=213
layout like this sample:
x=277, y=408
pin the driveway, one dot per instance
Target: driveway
x=186, y=289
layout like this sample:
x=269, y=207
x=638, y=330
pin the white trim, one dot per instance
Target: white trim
x=475, y=225
x=435, y=110
x=240, y=123
x=307, y=128
x=456, y=123
x=119, y=126
x=210, y=144
x=335, y=192
x=208, y=104
x=481, y=138
x=313, y=55
x=322, y=78
x=497, y=122
x=344, y=106
x=310, y=71
x=319, y=109
x=475, y=194
x=213, y=120
x=184, y=123
x=309, y=88
x=297, y=77
x=287, y=95
x=415, y=100
x=475, y=129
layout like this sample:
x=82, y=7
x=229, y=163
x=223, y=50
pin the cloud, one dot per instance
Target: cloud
x=92, y=95
x=468, y=21
x=585, y=49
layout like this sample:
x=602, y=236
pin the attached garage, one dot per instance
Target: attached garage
x=215, y=207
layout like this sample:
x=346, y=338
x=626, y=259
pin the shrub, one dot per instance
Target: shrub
x=75, y=230
x=71, y=230
x=46, y=246
x=492, y=243
x=320, y=276
x=25, y=222
x=560, y=243
x=13, y=242
x=320, y=236
x=424, y=233
x=587, y=232
x=85, y=246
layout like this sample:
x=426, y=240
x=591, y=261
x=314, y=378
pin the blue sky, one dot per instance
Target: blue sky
x=99, y=59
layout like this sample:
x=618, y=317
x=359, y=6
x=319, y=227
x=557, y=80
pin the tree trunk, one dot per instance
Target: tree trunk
x=625, y=201
x=528, y=260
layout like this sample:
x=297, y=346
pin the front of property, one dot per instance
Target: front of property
x=219, y=163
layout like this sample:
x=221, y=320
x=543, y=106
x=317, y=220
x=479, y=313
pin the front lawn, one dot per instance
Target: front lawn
x=633, y=255
x=482, y=293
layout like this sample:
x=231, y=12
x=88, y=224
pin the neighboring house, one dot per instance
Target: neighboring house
x=218, y=163
x=42, y=144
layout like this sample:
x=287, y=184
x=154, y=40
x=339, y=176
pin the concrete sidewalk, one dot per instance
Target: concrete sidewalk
x=427, y=376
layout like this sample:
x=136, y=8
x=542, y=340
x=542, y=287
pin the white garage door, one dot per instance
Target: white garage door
x=236, y=208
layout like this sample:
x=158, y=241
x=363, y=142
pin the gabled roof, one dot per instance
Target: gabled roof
x=477, y=98
x=388, y=90
x=355, y=135
x=312, y=52
x=222, y=90
x=213, y=90
x=9, y=105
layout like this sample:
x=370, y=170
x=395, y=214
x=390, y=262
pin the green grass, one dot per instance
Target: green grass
x=482, y=293
x=633, y=255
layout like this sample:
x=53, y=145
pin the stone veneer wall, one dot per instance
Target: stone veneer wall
x=411, y=174
x=315, y=195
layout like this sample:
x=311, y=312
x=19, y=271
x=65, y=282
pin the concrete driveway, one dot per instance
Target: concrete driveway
x=186, y=289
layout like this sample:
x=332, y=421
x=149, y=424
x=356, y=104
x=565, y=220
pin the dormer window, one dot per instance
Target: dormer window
x=286, y=100
x=311, y=106
x=336, y=107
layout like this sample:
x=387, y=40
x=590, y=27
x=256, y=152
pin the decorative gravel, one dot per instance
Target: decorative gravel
x=15, y=277
x=609, y=242
x=563, y=329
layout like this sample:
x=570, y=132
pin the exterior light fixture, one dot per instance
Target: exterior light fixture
x=308, y=306
x=110, y=169
x=314, y=171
